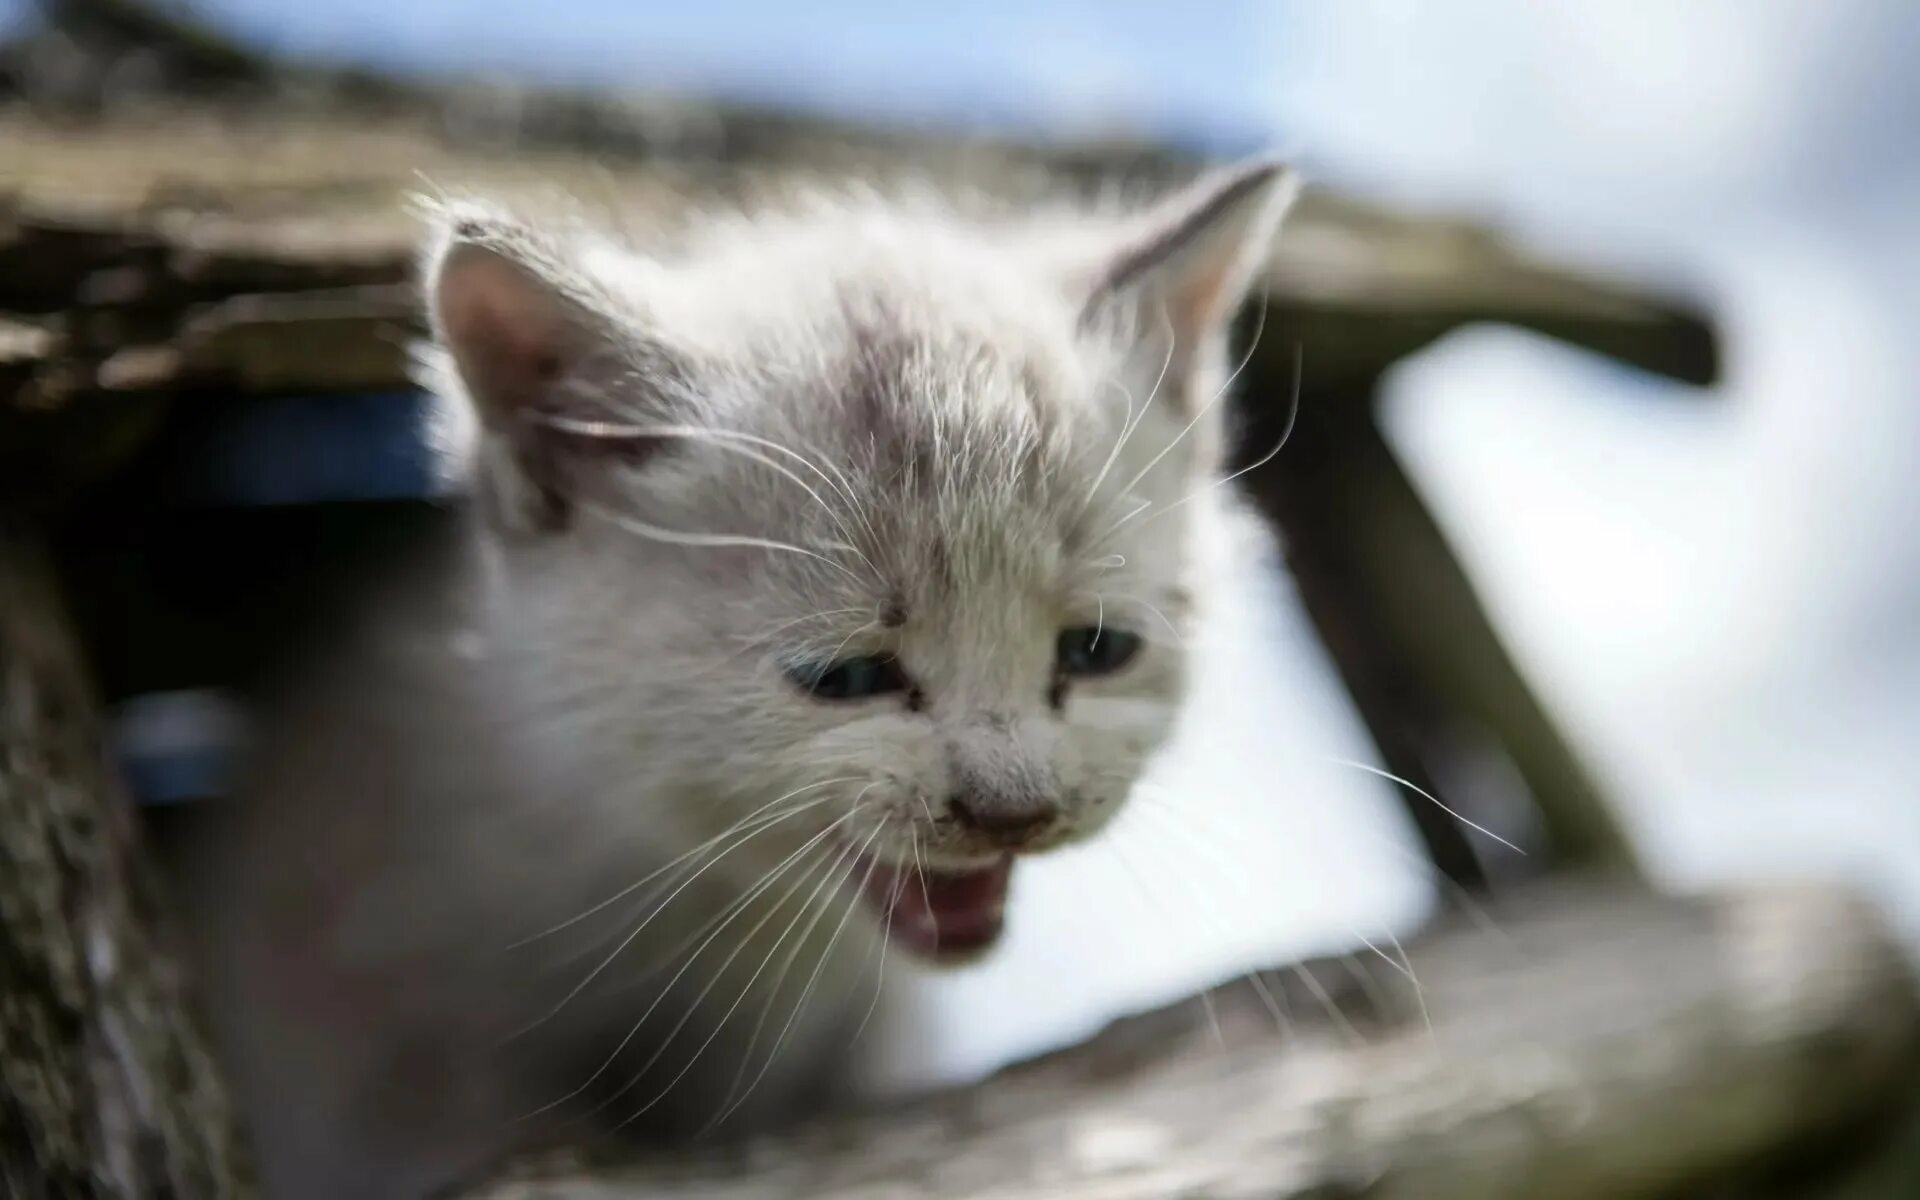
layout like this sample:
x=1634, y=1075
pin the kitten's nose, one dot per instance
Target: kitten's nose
x=1008, y=821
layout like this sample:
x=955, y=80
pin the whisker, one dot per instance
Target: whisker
x=673, y=955
x=1304, y=973
x=1133, y=422
x=1179, y=636
x=1178, y=821
x=1126, y=431
x=1206, y=994
x=645, y=904
x=735, y=1096
x=845, y=641
x=1293, y=415
x=925, y=808
x=768, y=635
x=771, y=819
x=753, y=893
x=672, y=537
x=721, y=437
x=1422, y=792
x=745, y=988
x=812, y=980
x=1402, y=964
x=1281, y=1018
x=886, y=939
x=920, y=863
x=1252, y=348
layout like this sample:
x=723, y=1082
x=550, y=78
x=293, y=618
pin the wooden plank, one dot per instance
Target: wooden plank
x=1593, y=1046
x=106, y=1087
x=140, y=219
x=1447, y=705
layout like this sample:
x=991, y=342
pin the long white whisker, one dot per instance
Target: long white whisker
x=742, y=904
x=1390, y=776
x=1281, y=1018
x=812, y=980
x=647, y=902
x=1178, y=636
x=845, y=641
x=769, y=634
x=1133, y=421
x=673, y=955
x=1404, y=965
x=771, y=819
x=1293, y=414
x=735, y=1096
x=631, y=937
x=1177, y=821
x=745, y=988
x=1206, y=994
x=722, y=437
x=1126, y=431
x=886, y=940
x=674, y=537
x=1205, y=408
x=920, y=863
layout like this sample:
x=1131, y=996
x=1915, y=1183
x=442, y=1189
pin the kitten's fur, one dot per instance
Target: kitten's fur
x=833, y=429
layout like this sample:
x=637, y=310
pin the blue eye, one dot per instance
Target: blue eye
x=849, y=678
x=1095, y=651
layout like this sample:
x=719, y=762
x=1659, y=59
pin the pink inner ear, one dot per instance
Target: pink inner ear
x=1205, y=297
x=508, y=333
x=1198, y=252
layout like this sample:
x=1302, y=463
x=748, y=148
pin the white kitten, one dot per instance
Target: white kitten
x=819, y=567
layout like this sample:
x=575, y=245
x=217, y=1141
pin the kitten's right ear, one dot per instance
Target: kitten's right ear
x=548, y=371
x=1192, y=258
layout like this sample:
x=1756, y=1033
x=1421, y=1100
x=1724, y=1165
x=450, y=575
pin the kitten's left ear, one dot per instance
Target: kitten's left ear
x=541, y=356
x=1194, y=256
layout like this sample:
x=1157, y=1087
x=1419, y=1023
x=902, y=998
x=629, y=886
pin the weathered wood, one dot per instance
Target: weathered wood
x=1601, y=1046
x=287, y=199
x=106, y=1088
x=187, y=247
x=1440, y=691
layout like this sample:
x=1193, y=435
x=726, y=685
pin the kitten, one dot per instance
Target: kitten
x=812, y=576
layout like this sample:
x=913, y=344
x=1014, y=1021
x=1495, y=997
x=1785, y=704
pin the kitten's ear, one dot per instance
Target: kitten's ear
x=1194, y=255
x=540, y=360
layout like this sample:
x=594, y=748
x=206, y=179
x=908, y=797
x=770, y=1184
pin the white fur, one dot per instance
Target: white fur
x=856, y=407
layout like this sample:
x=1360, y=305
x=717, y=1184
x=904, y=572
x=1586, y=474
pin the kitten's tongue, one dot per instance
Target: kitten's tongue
x=940, y=913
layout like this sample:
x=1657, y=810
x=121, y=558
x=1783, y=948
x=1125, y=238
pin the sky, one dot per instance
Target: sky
x=1007, y=62
x=1720, y=594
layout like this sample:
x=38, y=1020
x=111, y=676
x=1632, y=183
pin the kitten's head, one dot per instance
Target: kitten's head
x=856, y=533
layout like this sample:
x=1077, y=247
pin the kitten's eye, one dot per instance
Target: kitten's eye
x=849, y=678
x=1095, y=651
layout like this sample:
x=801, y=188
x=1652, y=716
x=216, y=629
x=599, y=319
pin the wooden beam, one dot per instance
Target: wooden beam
x=106, y=1087
x=217, y=247
x=1595, y=1046
x=1406, y=628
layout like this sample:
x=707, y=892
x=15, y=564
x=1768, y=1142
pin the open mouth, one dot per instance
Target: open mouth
x=940, y=914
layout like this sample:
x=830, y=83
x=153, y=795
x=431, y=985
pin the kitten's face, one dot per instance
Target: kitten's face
x=872, y=559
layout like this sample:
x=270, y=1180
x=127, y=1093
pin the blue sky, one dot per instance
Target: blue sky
x=1194, y=71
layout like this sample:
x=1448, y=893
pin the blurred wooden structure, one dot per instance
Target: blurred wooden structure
x=185, y=253
x=241, y=239
x=1597, y=1047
